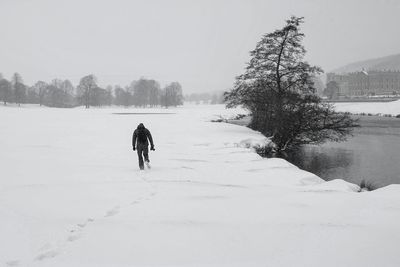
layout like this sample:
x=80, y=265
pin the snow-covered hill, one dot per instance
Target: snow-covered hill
x=71, y=194
x=391, y=62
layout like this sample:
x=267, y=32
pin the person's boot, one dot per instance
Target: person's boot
x=148, y=164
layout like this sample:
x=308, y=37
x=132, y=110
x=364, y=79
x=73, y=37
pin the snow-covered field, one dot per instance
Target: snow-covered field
x=392, y=108
x=71, y=194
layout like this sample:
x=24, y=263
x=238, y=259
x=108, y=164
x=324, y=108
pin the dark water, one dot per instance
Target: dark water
x=373, y=154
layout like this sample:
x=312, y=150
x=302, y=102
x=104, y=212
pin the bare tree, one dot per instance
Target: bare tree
x=172, y=95
x=40, y=89
x=110, y=95
x=85, y=88
x=5, y=91
x=19, y=88
x=67, y=87
x=122, y=96
x=99, y=97
x=32, y=95
x=146, y=92
x=278, y=88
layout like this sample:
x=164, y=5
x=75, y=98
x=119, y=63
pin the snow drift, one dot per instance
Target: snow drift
x=72, y=195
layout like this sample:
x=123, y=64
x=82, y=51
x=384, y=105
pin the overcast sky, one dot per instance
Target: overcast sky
x=202, y=44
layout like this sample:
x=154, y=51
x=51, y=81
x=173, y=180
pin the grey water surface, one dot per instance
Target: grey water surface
x=372, y=154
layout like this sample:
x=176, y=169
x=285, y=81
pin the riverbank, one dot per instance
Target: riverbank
x=208, y=200
x=392, y=108
x=363, y=100
x=379, y=123
x=369, y=155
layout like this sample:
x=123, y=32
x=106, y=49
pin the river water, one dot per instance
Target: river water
x=372, y=154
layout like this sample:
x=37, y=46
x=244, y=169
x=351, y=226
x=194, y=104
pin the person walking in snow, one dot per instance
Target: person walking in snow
x=140, y=139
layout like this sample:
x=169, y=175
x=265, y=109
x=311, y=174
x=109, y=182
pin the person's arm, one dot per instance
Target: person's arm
x=134, y=136
x=150, y=138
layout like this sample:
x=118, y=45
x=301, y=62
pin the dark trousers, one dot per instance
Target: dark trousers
x=142, y=151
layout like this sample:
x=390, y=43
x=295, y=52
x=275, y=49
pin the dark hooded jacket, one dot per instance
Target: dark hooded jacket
x=142, y=135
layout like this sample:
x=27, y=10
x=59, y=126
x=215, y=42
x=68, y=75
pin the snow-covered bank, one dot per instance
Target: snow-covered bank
x=392, y=108
x=71, y=194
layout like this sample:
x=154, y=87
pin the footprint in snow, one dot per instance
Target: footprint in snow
x=81, y=225
x=112, y=212
x=73, y=238
x=46, y=255
x=12, y=263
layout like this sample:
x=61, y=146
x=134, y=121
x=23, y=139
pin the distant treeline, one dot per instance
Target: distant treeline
x=209, y=98
x=63, y=94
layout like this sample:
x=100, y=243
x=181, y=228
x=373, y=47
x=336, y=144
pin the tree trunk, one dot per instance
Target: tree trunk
x=279, y=101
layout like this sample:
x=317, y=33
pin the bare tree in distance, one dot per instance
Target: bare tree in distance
x=40, y=89
x=172, y=95
x=19, y=88
x=146, y=92
x=110, y=93
x=59, y=93
x=154, y=95
x=85, y=87
x=100, y=97
x=68, y=87
x=122, y=97
x=5, y=91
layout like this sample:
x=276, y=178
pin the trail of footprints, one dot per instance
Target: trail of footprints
x=75, y=233
x=49, y=251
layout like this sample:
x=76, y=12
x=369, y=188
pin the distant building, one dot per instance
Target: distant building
x=365, y=83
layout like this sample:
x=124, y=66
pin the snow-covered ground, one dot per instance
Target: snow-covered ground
x=392, y=108
x=71, y=194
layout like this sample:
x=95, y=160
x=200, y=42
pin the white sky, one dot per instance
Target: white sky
x=202, y=44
